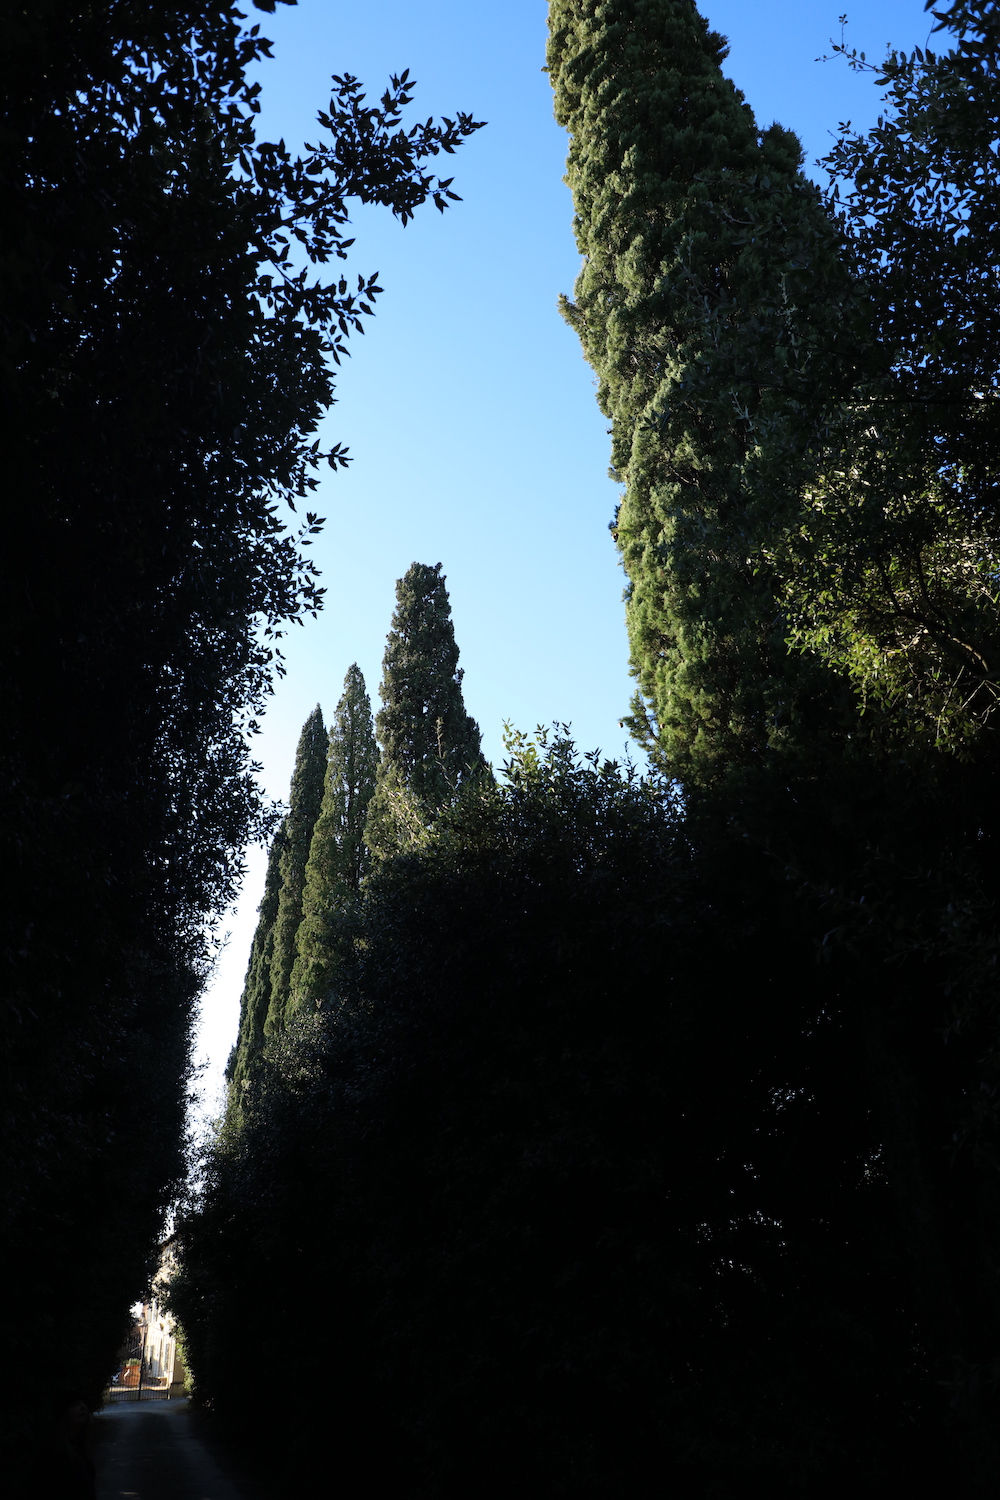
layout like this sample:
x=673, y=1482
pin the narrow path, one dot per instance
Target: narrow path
x=149, y=1450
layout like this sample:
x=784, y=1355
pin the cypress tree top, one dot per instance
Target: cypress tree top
x=709, y=305
x=428, y=740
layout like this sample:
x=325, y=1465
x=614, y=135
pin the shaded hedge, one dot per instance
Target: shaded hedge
x=571, y=1181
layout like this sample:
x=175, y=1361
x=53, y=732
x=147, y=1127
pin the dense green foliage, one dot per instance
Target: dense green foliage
x=338, y=855
x=714, y=309
x=346, y=800
x=429, y=744
x=576, y=1159
x=304, y=802
x=891, y=574
x=164, y=358
x=256, y=999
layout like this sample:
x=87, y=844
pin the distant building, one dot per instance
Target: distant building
x=150, y=1365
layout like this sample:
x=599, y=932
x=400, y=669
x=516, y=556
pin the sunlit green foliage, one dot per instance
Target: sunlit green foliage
x=429, y=744
x=714, y=310
x=891, y=581
x=256, y=999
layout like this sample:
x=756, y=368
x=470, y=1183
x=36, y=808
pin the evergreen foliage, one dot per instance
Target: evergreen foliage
x=338, y=856
x=256, y=1000
x=713, y=307
x=645, y=1135
x=305, y=799
x=891, y=575
x=429, y=744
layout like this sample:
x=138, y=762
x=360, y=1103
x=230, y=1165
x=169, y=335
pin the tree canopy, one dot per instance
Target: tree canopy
x=802, y=399
x=429, y=743
x=338, y=855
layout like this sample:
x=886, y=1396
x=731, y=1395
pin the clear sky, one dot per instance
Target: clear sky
x=467, y=407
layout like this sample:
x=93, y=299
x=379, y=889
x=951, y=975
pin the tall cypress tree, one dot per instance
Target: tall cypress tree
x=712, y=307
x=305, y=799
x=256, y=999
x=430, y=744
x=338, y=856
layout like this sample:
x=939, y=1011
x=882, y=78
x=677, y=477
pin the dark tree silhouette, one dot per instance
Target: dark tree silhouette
x=165, y=354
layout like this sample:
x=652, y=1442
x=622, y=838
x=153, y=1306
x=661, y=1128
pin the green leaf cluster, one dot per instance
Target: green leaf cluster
x=347, y=802
x=255, y=1003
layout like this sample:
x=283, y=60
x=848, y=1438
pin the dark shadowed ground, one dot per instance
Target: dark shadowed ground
x=163, y=1450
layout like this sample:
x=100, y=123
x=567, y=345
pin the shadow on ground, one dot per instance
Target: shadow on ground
x=165, y=1450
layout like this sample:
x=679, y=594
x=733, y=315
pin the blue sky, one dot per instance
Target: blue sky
x=467, y=407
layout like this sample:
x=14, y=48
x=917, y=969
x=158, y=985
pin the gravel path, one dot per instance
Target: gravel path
x=149, y=1450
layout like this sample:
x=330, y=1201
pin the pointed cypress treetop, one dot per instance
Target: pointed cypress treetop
x=428, y=740
x=711, y=305
x=305, y=799
x=338, y=857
